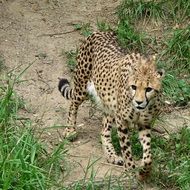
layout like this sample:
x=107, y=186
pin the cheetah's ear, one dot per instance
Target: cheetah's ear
x=161, y=73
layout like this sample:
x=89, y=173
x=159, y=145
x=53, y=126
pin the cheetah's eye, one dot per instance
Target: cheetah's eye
x=133, y=87
x=148, y=89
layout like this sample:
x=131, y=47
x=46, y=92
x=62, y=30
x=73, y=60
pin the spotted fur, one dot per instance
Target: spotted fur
x=127, y=85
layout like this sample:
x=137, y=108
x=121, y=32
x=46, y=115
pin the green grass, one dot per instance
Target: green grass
x=135, y=10
x=71, y=60
x=172, y=160
x=177, y=51
x=24, y=161
x=84, y=28
x=103, y=26
x=154, y=11
x=129, y=38
x=177, y=90
x=179, y=10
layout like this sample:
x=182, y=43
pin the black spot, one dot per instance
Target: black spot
x=146, y=150
x=130, y=117
x=125, y=131
x=78, y=98
x=148, y=135
x=147, y=127
x=86, y=65
x=128, y=152
x=90, y=66
x=109, y=127
x=123, y=139
x=128, y=143
x=120, y=163
x=82, y=71
x=148, y=143
x=124, y=148
x=142, y=172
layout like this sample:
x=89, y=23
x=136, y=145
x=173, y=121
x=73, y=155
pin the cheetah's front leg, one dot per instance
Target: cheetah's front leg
x=145, y=139
x=122, y=128
x=108, y=148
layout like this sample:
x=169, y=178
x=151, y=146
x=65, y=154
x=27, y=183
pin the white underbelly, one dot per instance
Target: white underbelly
x=92, y=92
x=95, y=97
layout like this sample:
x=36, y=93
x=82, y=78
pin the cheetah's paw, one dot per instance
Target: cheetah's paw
x=69, y=133
x=117, y=160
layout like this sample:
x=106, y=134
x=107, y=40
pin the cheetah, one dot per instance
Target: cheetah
x=128, y=86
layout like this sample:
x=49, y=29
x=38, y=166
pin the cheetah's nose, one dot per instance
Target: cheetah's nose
x=139, y=102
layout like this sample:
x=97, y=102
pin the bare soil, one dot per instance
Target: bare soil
x=25, y=38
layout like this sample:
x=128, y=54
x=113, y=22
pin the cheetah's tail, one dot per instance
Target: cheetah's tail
x=65, y=89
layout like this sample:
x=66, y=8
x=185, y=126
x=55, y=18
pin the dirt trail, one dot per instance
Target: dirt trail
x=23, y=40
x=23, y=24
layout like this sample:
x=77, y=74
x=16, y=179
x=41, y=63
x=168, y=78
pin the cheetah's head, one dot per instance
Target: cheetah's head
x=145, y=83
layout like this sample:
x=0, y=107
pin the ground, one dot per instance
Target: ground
x=25, y=38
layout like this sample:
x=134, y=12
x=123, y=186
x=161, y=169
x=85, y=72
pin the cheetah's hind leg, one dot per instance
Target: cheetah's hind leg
x=77, y=95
